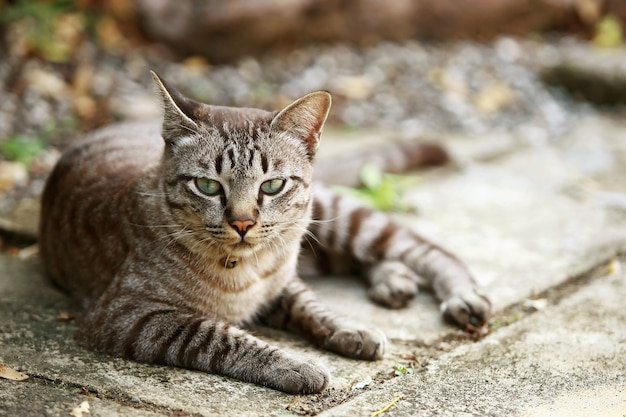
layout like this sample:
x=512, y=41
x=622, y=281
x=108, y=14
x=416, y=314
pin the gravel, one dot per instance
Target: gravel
x=412, y=88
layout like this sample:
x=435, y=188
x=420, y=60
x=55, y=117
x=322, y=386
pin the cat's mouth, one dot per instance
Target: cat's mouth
x=243, y=244
x=246, y=245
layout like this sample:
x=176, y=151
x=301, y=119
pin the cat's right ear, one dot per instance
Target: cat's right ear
x=305, y=119
x=178, y=112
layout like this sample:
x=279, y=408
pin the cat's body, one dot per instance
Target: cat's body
x=171, y=240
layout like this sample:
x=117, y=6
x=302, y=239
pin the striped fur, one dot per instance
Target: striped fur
x=172, y=238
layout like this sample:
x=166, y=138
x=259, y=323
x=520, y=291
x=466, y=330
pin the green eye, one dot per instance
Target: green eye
x=208, y=187
x=271, y=187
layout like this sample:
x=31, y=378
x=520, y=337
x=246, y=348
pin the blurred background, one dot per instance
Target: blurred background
x=522, y=69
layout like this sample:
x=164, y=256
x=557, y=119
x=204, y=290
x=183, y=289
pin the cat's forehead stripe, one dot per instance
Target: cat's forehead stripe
x=244, y=155
x=231, y=157
x=218, y=163
x=251, y=155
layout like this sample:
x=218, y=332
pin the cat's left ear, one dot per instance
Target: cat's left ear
x=304, y=118
x=178, y=111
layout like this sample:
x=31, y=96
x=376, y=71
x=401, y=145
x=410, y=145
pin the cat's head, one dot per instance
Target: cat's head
x=240, y=179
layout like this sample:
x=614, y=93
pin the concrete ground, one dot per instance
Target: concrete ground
x=541, y=223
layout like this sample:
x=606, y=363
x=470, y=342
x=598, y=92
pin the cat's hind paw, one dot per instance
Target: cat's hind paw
x=470, y=309
x=392, y=284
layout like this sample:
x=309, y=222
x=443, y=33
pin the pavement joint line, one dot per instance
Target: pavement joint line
x=554, y=296
x=559, y=292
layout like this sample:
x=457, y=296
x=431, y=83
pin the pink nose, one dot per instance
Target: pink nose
x=242, y=225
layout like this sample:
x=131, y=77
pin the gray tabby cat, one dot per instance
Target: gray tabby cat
x=174, y=238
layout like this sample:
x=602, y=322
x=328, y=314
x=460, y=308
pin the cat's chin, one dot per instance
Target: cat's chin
x=243, y=249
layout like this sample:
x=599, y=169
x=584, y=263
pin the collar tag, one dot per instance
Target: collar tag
x=230, y=263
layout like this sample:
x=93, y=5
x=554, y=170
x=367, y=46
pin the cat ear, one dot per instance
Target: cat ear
x=304, y=118
x=178, y=111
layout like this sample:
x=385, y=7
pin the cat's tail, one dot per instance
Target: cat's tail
x=393, y=157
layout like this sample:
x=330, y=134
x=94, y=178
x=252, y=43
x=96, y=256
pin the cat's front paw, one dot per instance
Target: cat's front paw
x=470, y=309
x=358, y=342
x=297, y=377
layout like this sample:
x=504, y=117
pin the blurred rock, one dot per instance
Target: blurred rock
x=20, y=191
x=23, y=220
x=12, y=174
x=224, y=30
x=590, y=74
x=47, y=83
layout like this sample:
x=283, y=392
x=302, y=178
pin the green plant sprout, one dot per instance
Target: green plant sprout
x=381, y=191
x=21, y=148
x=400, y=370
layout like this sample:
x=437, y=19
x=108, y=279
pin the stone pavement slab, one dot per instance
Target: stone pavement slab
x=525, y=217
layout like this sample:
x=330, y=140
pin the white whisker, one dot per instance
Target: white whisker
x=154, y=226
x=146, y=194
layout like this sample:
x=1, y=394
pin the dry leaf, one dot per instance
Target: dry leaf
x=494, y=98
x=614, y=267
x=64, y=316
x=83, y=408
x=361, y=385
x=28, y=252
x=354, y=87
x=12, y=174
x=12, y=374
x=110, y=34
